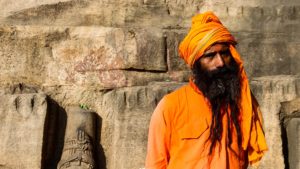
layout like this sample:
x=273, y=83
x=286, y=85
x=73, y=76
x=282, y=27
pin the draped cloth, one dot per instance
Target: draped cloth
x=206, y=30
x=169, y=122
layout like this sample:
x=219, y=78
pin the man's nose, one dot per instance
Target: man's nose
x=219, y=60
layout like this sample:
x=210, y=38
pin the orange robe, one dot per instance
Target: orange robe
x=180, y=125
x=179, y=132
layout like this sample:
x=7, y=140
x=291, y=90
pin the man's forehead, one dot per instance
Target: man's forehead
x=217, y=47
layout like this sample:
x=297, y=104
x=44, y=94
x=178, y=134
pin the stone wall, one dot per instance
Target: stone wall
x=120, y=57
x=289, y=113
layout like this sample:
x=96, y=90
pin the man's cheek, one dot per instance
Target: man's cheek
x=227, y=61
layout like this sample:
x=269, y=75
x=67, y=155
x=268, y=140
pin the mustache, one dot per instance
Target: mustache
x=219, y=72
x=219, y=82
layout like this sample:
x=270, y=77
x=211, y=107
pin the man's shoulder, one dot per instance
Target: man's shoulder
x=170, y=103
x=176, y=94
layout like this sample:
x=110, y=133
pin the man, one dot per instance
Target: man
x=214, y=121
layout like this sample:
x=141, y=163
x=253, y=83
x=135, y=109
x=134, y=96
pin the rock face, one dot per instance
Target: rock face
x=85, y=56
x=270, y=92
x=22, y=130
x=125, y=116
x=290, y=113
x=76, y=40
x=293, y=135
x=119, y=58
x=131, y=123
x=80, y=138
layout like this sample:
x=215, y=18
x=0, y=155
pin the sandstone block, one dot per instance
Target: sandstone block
x=240, y=18
x=62, y=55
x=7, y=7
x=289, y=116
x=175, y=62
x=293, y=135
x=25, y=54
x=116, y=78
x=132, y=109
x=237, y=15
x=270, y=91
x=264, y=55
x=290, y=108
x=100, y=48
x=21, y=130
x=125, y=114
x=294, y=54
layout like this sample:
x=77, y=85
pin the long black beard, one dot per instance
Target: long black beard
x=222, y=88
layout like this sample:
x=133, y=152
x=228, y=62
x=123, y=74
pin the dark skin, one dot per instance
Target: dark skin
x=218, y=55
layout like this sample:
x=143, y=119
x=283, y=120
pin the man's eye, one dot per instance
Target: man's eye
x=209, y=55
x=225, y=53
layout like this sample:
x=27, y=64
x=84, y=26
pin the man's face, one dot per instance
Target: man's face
x=217, y=56
x=216, y=72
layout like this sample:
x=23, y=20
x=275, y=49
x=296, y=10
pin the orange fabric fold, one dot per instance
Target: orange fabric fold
x=206, y=29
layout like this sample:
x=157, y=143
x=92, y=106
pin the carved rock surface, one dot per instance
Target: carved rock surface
x=291, y=108
x=79, y=145
x=270, y=91
x=293, y=135
x=290, y=116
x=125, y=114
x=95, y=56
x=22, y=120
x=131, y=109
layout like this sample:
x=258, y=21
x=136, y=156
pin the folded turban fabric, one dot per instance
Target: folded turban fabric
x=205, y=31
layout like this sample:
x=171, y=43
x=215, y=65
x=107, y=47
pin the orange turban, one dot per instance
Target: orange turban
x=206, y=30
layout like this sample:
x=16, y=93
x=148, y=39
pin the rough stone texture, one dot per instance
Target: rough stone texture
x=132, y=121
x=289, y=115
x=79, y=55
x=270, y=91
x=290, y=108
x=293, y=134
x=264, y=55
x=256, y=15
x=22, y=120
x=80, y=137
x=125, y=114
x=175, y=62
x=258, y=26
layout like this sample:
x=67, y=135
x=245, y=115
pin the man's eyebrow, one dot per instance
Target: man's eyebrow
x=209, y=53
x=225, y=49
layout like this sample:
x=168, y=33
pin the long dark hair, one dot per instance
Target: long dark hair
x=223, y=90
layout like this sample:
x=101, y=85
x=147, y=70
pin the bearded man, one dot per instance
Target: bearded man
x=213, y=121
